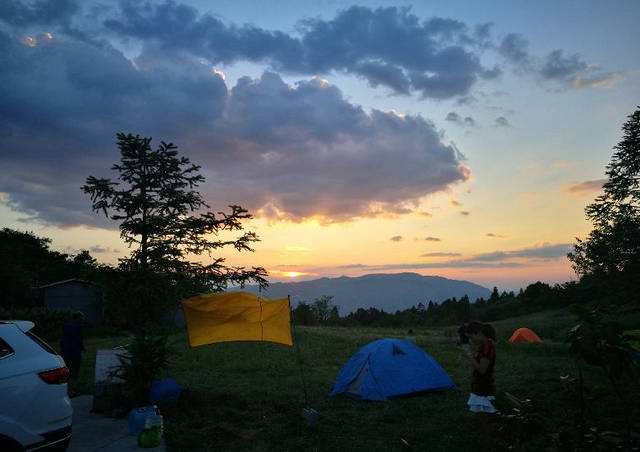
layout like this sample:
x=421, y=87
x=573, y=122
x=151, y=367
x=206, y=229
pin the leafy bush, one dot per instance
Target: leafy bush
x=48, y=322
x=598, y=340
x=143, y=361
x=521, y=423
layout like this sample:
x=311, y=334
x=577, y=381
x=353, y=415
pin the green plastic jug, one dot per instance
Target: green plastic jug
x=151, y=436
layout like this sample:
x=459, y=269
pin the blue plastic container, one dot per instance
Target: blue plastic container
x=138, y=417
x=167, y=390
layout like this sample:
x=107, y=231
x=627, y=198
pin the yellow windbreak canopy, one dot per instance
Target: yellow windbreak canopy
x=236, y=316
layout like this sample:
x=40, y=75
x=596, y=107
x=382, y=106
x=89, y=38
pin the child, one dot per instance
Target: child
x=483, y=389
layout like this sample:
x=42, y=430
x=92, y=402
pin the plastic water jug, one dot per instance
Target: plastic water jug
x=138, y=417
x=151, y=436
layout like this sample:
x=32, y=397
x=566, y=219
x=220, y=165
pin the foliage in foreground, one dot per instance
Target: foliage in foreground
x=249, y=396
x=48, y=323
x=145, y=358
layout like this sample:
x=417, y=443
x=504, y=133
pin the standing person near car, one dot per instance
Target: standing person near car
x=483, y=388
x=72, y=345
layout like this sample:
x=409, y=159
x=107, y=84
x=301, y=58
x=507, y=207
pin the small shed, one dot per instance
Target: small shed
x=77, y=295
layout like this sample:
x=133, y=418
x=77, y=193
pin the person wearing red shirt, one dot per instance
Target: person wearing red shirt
x=482, y=356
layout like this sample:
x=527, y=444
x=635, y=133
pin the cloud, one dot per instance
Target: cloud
x=543, y=252
x=99, y=249
x=41, y=12
x=432, y=239
x=445, y=264
x=515, y=49
x=286, y=151
x=557, y=66
x=586, y=188
x=568, y=70
x=501, y=121
x=323, y=156
x=465, y=213
x=467, y=100
x=396, y=238
x=454, y=117
x=438, y=58
x=440, y=255
x=455, y=203
x=605, y=80
x=295, y=248
x=497, y=259
x=496, y=236
x=63, y=100
x=426, y=214
x=390, y=46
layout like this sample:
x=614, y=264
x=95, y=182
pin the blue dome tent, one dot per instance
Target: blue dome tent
x=387, y=368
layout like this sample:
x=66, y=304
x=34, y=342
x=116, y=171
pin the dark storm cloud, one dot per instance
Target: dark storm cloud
x=390, y=47
x=307, y=152
x=439, y=58
x=40, y=12
x=64, y=100
x=286, y=151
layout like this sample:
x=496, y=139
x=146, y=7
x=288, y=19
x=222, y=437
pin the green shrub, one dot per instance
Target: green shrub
x=48, y=322
x=143, y=361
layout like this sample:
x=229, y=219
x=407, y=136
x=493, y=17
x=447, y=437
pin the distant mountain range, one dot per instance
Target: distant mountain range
x=389, y=292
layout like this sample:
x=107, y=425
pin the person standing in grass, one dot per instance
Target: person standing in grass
x=72, y=346
x=463, y=339
x=482, y=356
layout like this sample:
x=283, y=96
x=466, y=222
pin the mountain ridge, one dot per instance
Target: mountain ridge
x=386, y=291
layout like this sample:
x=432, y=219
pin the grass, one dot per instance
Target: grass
x=249, y=396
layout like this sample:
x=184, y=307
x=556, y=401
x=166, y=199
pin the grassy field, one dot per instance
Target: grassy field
x=249, y=396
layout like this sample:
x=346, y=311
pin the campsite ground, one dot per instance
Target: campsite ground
x=249, y=396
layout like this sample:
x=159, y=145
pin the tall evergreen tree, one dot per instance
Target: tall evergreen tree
x=166, y=220
x=612, y=249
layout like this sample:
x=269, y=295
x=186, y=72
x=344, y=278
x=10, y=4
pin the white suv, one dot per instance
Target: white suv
x=35, y=410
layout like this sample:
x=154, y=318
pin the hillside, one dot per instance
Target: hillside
x=389, y=292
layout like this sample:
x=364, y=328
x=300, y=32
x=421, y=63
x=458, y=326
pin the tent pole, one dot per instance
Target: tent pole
x=298, y=353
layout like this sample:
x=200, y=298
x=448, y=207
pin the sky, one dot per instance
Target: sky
x=460, y=139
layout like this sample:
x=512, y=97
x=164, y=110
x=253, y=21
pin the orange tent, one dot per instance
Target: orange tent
x=525, y=335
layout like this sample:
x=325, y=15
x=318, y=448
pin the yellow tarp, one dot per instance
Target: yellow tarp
x=236, y=316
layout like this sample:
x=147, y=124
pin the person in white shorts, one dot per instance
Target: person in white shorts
x=482, y=356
